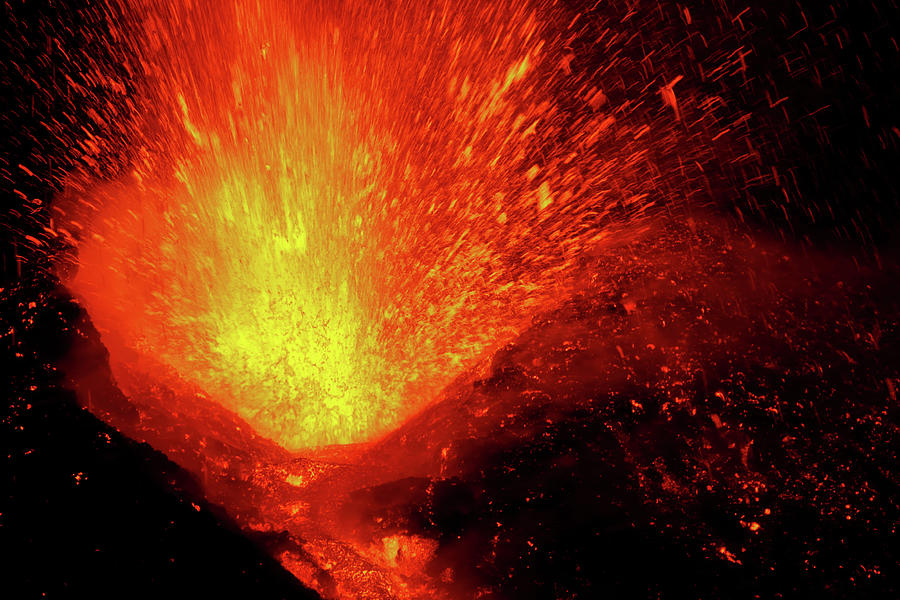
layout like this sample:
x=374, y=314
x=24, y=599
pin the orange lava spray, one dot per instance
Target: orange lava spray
x=332, y=209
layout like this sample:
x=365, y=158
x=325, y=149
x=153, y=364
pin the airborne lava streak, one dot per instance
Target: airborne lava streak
x=332, y=209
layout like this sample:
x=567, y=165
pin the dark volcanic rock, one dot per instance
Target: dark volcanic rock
x=88, y=513
x=713, y=418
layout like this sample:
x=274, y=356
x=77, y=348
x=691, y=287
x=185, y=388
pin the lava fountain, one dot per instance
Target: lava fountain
x=330, y=210
x=488, y=251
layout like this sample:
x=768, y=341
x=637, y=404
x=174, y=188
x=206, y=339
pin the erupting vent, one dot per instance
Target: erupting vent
x=450, y=299
x=332, y=209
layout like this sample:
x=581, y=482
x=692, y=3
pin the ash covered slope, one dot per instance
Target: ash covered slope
x=715, y=417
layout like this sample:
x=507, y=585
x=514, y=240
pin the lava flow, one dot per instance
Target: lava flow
x=331, y=210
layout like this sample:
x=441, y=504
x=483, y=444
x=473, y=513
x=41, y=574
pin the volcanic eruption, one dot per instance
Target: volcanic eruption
x=464, y=299
x=334, y=210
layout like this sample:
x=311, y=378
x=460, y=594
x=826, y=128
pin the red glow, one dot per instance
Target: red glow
x=334, y=210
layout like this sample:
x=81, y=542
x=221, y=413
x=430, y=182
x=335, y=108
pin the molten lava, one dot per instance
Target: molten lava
x=496, y=245
x=332, y=209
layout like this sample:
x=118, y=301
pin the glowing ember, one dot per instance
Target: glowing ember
x=333, y=209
